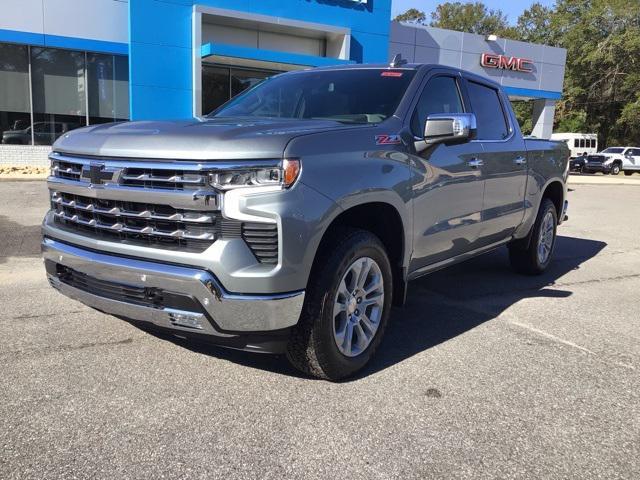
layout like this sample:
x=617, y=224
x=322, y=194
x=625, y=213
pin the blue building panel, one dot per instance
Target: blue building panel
x=160, y=29
x=153, y=102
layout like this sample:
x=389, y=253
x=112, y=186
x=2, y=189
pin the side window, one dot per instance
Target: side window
x=492, y=123
x=576, y=143
x=440, y=95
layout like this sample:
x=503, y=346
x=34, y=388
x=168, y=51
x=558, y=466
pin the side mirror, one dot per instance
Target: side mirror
x=450, y=128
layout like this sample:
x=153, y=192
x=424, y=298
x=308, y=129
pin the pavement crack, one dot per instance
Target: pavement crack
x=69, y=348
x=568, y=343
x=28, y=317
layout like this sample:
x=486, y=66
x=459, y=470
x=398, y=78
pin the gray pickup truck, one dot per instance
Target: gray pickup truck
x=293, y=217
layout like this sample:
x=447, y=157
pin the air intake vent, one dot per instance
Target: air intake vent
x=262, y=239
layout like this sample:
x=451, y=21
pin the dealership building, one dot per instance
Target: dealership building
x=69, y=63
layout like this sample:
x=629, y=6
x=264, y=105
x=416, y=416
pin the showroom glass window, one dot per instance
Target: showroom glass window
x=15, y=105
x=67, y=89
x=220, y=84
x=108, y=88
x=59, y=97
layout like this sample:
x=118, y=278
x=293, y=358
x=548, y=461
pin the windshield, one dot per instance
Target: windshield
x=613, y=150
x=347, y=96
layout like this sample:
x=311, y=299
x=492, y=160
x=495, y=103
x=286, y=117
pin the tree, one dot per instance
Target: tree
x=412, y=16
x=602, y=38
x=535, y=25
x=471, y=18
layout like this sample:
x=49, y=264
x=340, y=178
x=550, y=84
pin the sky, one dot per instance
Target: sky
x=511, y=8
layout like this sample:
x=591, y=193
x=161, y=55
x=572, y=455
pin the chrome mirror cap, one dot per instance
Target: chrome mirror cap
x=450, y=128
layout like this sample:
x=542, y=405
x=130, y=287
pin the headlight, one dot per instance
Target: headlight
x=283, y=175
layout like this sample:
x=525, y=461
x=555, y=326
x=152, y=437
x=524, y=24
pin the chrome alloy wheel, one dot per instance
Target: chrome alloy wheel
x=358, y=306
x=545, y=238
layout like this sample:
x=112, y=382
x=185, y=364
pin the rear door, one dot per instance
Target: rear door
x=504, y=162
x=633, y=159
x=446, y=180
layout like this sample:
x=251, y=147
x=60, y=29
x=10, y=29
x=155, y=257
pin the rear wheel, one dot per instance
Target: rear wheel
x=534, y=258
x=628, y=174
x=346, y=307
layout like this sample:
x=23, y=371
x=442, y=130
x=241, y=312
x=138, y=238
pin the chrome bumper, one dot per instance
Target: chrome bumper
x=223, y=314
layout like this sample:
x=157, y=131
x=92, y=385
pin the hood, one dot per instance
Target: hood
x=194, y=139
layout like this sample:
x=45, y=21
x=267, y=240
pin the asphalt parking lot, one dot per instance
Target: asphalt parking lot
x=485, y=374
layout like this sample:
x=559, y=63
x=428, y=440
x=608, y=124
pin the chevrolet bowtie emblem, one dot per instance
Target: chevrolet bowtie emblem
x=96, y=174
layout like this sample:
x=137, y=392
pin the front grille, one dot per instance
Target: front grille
x=66, y=170
x=163, y=179
x=136, y=223
x=136, y=177
x=150, y=224
x=262, y=239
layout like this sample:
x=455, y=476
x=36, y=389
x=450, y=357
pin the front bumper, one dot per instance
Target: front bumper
x=211, y=310
x=592, y=168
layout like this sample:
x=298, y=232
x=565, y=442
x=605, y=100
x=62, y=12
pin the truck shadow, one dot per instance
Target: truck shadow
x=443, y=305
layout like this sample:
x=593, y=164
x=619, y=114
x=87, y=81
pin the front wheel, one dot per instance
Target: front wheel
x=615, y=169
x=346, y=307
x=628, y=173
x=534, y=258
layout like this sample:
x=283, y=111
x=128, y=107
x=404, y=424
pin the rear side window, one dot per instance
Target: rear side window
x=492, y=124
x=440, y=95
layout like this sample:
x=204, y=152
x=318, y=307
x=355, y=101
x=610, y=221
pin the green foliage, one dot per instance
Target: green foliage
x=524, y=113
x=534, y=25
x=411, y=16
x=469, y=17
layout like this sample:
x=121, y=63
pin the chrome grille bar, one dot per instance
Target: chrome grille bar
x=145, y=214
x=119, y=227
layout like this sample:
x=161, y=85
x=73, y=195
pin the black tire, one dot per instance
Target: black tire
x=628, y=174
x=524, y=258
x=312, y=347
x=615, y=169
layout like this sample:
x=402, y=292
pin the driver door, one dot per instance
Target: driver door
x=446, y=180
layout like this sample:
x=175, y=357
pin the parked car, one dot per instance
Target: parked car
x=614, y=160
x=293, y=217
x=44, y=133
x=577, y=164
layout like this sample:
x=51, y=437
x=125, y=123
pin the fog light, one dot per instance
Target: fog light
x=185, y=319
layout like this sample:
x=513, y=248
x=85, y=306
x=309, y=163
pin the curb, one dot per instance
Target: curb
x=23, y=179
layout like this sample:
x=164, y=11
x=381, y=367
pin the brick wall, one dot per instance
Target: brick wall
x=23, y=155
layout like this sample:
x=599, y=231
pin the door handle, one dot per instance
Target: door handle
x=520, y=160
x=475, y=163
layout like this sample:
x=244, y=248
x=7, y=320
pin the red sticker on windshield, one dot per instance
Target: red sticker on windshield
x=391, y=74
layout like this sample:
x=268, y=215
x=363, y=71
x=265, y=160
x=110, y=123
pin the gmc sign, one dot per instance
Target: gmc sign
x=491, y=60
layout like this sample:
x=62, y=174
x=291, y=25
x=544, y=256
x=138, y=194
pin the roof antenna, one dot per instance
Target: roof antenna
x=397, y=61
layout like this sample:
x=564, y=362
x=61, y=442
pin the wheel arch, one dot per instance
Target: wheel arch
x=384, y=219
x=554, y=191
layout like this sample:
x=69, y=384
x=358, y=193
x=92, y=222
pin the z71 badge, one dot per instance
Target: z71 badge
x=387, y=139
